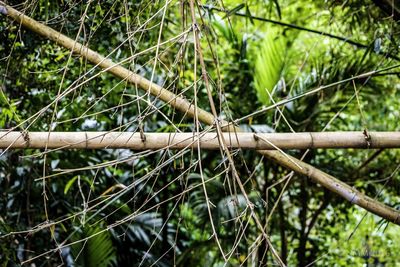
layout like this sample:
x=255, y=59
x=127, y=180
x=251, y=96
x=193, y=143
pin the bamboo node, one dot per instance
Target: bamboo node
x=217, y=121
x=312, y=140
x=142, y=136
x=255, y=136
x=354, y=198
x=3, y=10
x=141, y=131
x=195, y=27
x=87, y=140
x=367, y=138
x=27, y=140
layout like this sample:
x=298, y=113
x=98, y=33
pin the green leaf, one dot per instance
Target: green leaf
x=72, y=181
x=97, y=250
x=248, y=15
x=269, y=65
x=69, y=184
x=278, y=8
x=234, y=10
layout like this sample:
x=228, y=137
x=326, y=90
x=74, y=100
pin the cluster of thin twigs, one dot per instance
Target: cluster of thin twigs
x=216, y=127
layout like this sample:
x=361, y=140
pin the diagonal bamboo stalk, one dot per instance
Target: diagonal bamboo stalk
x=183, y=105
x=179, y=103
x=338, y=187
x=155, y=141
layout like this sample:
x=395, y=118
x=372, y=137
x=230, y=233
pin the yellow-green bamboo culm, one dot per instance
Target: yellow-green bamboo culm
x=208, y=141
x=185, y=106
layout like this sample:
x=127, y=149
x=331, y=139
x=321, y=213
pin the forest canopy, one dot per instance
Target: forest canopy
x=80, y=80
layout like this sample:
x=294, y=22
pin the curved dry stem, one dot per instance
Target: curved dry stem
x=185, y=106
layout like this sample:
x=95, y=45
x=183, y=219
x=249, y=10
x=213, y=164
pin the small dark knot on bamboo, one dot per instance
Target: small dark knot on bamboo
x=195, y=27
x=86, y=140
x=217, y=121
x=27, y=140
x=255, y=136
x=142, y=136
x=311, y=140
x=367, y=137
x=354, y=199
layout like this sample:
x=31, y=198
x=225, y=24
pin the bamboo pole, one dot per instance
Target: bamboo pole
x=95, y=58
x=339, y=187
x=185, y=106
x=155, y=141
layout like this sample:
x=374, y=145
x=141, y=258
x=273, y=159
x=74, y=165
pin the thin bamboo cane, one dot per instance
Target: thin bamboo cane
x=183, y=105
x=155, y=141
x=179, y=103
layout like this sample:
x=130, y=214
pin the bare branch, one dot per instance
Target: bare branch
x=326, y=180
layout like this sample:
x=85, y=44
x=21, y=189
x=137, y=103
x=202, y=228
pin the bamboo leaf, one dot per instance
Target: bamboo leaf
x=248, y=15
x=69, y=184
x=234, y=10
x=278, y=8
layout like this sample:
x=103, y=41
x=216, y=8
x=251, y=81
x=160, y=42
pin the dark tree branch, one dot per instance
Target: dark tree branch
x=371, y=158
x=297, y=27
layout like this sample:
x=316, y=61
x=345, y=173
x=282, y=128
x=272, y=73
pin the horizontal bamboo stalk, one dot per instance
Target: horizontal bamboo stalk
x=153, y=141
x=181, y=104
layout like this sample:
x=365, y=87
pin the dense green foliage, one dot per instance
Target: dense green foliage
x=129, y=208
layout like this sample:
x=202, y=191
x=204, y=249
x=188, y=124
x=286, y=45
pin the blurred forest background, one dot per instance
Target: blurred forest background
x=117, y=207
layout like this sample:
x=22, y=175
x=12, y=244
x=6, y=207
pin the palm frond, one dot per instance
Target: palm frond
x=268, y=66
x=97, y=250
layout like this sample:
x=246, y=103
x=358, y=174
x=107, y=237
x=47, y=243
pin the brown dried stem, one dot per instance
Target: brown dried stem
x=326, y=180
